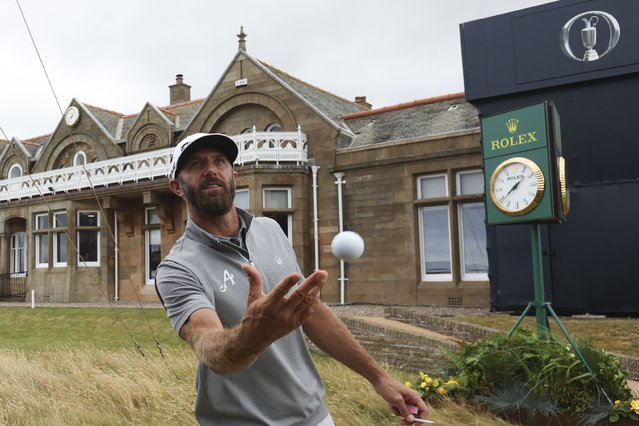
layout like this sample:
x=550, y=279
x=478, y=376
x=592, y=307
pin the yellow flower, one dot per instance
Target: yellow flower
x=441, y=391
x=452, y=382
x=409, y=385
x=617, y=403
x=424, y=385
x=634, y=405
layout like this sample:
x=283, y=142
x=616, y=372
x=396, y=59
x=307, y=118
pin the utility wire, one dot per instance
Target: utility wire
x=86, y=173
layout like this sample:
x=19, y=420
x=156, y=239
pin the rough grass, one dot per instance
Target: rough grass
x=77, y=366
x=614, y=334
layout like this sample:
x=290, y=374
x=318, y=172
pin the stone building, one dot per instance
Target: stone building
x=86, y=213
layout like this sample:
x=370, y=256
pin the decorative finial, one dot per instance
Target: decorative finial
x=242, y=39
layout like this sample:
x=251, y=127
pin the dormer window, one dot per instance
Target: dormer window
x=80, y=159
x=15, y=171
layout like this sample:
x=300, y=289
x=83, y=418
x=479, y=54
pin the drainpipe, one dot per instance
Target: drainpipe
x=315, y=217
x=116, y=250
x=342, y=278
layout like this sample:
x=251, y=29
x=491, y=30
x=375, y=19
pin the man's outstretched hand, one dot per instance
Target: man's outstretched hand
x=271, y=316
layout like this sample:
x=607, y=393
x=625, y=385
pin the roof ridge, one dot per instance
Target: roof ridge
x=31, y=139
x=306, y=83
x=404, y=105
x=179, y=104
x=104, y=110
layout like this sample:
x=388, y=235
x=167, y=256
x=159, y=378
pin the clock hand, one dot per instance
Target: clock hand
x=514, y=187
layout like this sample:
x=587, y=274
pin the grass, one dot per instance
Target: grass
x=616, y=335
x=77, y=366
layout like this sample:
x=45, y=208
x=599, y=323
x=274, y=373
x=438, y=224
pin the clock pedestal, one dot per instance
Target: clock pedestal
x=543, y=308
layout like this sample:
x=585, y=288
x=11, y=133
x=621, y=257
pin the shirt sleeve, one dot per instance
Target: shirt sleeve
x=181, y=293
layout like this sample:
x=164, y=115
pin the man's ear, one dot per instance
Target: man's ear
x=176, y=188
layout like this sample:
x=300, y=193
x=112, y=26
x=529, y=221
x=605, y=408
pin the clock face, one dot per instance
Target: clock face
x=516, y=186
x=71, y=116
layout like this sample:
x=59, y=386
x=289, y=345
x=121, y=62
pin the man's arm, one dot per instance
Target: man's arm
x=331, y=336
x=267, y=318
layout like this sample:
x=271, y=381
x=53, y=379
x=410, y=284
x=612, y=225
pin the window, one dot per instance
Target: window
x=152, y=243
x=60, y=239
x=18, y=254
x=452, y=227
x=242, y=198
x=41, y=240
x=277, y=206
x=15, y=171
x=80, y=158
x=472, y=227
x=88, y=238
x=274, y=127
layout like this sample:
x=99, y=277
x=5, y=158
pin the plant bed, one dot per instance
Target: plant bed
x=521, y=418
x=524, y=374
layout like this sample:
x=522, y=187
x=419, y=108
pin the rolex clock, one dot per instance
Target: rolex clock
x=72, y=116
x=517, y=186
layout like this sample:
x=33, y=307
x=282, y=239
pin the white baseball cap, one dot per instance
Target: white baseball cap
x=219, y=141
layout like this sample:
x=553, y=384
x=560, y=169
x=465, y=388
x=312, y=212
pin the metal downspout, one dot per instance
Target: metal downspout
x=342, y=278
x=315, y=216
x=116, y=250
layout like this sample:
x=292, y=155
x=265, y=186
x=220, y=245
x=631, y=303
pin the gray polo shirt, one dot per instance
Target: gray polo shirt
x=202, y=271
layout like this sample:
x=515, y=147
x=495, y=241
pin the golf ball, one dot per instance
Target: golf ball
x=347, y=245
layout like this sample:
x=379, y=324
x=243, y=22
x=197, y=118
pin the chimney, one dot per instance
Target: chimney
x=179, y=92
x=361, y=101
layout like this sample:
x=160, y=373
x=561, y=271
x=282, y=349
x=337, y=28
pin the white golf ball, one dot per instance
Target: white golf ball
x=347, y=245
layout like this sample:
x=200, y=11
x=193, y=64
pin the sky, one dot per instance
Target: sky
x=120, y=54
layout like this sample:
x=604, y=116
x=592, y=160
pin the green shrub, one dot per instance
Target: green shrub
x=525, y=372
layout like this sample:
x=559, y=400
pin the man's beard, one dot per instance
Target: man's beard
x=212, y=205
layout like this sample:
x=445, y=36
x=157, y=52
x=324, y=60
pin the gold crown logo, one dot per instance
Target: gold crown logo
x=512, y=124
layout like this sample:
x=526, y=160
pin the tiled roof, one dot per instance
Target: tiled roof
x=33, y=144
x=108, y=119
x=419, y=119
x=186, y=111
x=331, y=105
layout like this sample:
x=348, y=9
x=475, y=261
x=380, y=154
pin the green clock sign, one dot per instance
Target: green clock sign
x=523, y=169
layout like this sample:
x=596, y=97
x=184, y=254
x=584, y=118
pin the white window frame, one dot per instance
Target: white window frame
x=462, y=251
x=12, y=168
x=467, y=172
x=147, y=242
x=84, y=263
x=431, y=176
x=18, y=254
x=78, y=155
x=460, y=220
x=56, y=235
x=38, y=237
x=425, y=275
x=289, y=215
x=248, y=200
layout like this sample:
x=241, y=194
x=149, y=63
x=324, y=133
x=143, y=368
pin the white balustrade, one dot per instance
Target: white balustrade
x=254, y=147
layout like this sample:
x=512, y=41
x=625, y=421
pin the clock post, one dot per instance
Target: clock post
x=525, y=177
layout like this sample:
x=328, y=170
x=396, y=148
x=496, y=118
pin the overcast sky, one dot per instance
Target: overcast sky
x=119, y=54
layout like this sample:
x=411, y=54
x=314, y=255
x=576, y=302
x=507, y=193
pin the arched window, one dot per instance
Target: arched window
x=80, y=158
x=274, y=127
x=250, y=143
x=15, y=171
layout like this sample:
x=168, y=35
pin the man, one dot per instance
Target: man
x=231, y=287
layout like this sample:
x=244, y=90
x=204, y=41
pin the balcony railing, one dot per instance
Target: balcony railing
x=254, y=147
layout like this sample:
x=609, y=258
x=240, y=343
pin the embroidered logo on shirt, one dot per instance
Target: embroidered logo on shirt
x=278, y=260
x=227, y=277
